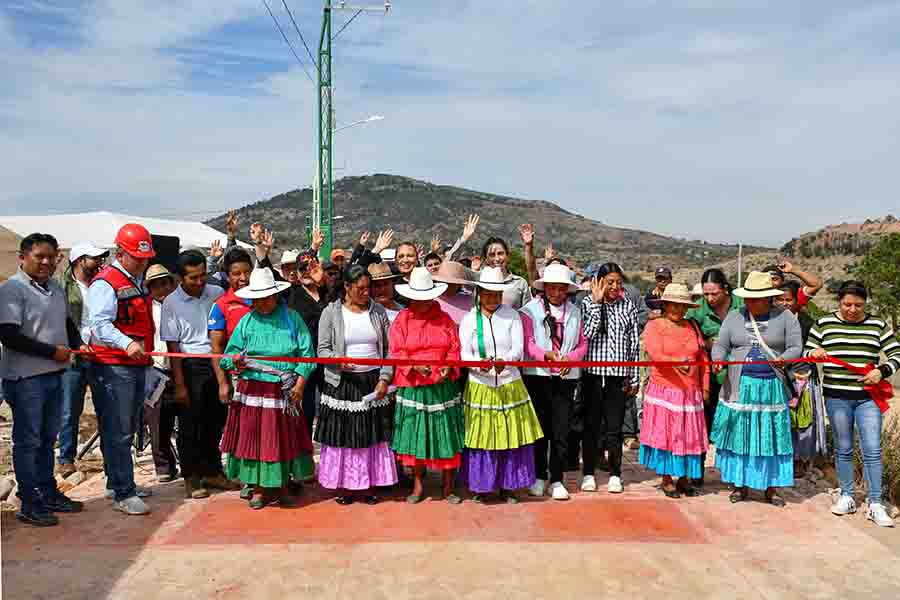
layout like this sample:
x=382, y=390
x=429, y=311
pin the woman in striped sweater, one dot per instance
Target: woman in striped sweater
x=857, y=338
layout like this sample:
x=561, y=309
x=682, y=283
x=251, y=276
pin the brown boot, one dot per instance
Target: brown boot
x=194, y=490
x=220, y=482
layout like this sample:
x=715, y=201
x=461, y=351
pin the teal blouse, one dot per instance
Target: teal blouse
x=281, y=333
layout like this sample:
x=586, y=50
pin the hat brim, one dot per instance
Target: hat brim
x=158, y=277
x=407, y=292
x=539, y=285
x=492, y=287
x=248, y=294
x=683, y=301
x=384, y=277
x=745, y=293
x=453, y=280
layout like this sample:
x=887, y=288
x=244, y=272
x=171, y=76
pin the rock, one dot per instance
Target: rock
x=7, y=485
x=816, y=474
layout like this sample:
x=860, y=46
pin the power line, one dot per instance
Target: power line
x=297, y=29
x=350, y=20
x=288, y=42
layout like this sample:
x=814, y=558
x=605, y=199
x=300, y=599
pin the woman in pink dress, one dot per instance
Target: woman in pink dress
x=673, y=428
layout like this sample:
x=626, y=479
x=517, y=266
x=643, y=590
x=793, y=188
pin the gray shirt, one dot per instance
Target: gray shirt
x=40, y=313
x=332, y=341
x=185, y=319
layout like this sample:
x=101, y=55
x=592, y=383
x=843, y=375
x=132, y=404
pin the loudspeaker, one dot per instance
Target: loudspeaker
x=167, y=248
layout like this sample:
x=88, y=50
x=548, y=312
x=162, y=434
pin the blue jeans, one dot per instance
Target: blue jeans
x=35, y=403
x=119, y=394
x=867, y=418
x=74, y=384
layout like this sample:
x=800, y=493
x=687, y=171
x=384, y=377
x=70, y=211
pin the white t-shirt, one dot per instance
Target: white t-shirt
x=556, y=311
x=392, y=314
x=360, y=338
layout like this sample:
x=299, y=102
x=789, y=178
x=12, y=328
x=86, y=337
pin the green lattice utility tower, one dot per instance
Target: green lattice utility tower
x=323, y=192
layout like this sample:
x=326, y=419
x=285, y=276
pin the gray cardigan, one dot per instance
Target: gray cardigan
x=332, y=343
x=783, y=336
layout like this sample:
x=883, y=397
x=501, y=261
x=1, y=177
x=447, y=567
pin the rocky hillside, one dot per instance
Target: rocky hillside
x=846, y=239
x=417, y=210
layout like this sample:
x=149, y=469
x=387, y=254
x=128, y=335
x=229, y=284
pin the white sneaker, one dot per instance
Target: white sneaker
x=132, y=506
x=615, y=485
x=878, y=515
x=843, y=506
x=559, y=491
x=537, y=488
x=140, y=492
x=588, y=484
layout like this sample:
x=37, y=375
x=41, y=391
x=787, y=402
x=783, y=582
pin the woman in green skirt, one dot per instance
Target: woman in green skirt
x=265, y=437
x=428, y=422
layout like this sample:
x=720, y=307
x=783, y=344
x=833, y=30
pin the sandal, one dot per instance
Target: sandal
x=371, y=500
x=247, y=492
x=479, y=498
x=671, y=492
x=260, y=501
x=737, y=495
x=454, y=499
x=511, y=498
x=414, y=499
x=344, y=500
x=774, y=499
x=686, y=488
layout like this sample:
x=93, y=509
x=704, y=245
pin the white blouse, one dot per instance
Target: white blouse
x=504, y=339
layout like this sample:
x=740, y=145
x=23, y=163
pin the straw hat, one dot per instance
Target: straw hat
x=421, y=286
x=262, y=285
x=697, y=291
x=388, y=254
x=677, y=293
x=556, y=273
x=452, y=272
x=289, y=257
x=757, y=285
x=492, y=279
x=378, y=271
x=157, y=272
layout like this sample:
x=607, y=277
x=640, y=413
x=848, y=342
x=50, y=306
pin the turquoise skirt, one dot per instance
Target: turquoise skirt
x=753, y=436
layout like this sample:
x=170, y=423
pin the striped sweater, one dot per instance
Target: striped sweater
x=856, y=343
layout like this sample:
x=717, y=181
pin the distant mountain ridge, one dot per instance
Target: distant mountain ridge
x=845, y=239
x=418, y=210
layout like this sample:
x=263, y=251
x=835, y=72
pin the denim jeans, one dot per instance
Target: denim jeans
x=74, y=385
x=119, y=395
x=35, y=403
x=866, y=415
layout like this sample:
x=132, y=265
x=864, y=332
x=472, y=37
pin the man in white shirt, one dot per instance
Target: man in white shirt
x=183, y=326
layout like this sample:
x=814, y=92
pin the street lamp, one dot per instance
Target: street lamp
x=371, y=119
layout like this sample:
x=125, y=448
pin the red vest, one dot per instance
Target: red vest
x=134, y=318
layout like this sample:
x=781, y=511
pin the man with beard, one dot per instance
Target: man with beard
x=85, y=261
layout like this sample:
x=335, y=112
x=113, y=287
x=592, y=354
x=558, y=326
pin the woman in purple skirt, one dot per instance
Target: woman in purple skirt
x=501, y=425
x=355, y=418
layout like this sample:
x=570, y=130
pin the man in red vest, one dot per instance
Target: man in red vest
x=119, y=330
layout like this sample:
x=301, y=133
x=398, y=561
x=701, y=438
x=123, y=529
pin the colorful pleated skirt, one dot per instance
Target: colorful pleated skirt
x=428, y=426
x=673, y=431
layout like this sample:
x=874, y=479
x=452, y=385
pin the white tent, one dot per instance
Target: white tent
x=100, y=228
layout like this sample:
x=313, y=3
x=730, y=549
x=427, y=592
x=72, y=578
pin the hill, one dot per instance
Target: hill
x=417, y=210
x=846, y=239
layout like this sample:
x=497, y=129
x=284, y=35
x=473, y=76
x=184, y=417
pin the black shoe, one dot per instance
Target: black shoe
x=60, y=503
x=697, y=483
x=167, y=477
x=38, y=517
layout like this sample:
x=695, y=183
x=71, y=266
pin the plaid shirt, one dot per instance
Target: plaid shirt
x=621, y=341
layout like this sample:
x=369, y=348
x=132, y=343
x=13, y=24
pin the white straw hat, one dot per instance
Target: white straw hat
x=698, y=290
x=678, y=293
x=388, y=254
x=492, y=279
x=421, y=286
x=556, y=273
x=757, y=285
x=262, y=285
x=289, y=257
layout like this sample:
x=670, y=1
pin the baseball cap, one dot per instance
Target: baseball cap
x=86, y=249
x=156, y=272
x=337, y=252
x=664, y=272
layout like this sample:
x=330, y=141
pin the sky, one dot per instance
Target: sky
x=726, y=121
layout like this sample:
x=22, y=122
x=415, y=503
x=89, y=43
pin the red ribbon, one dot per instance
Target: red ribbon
x=880, y=393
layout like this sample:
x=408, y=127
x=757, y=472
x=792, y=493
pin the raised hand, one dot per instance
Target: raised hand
x=526, y=231
x=267, y=241
x=364, y=239
x=598, y=289
x=476, y=263
x=384, y=240
x=215, y=250
x=318, y=238
x=231, y=223
x=785, y=265
x=436, y=243
x=256, y=232
x=469, y=227
x=549, y=252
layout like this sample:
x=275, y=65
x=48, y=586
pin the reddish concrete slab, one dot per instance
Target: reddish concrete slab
x=226, y=520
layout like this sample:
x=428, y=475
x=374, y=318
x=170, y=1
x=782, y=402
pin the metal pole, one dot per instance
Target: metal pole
x=324, y=176
x=740, y=265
